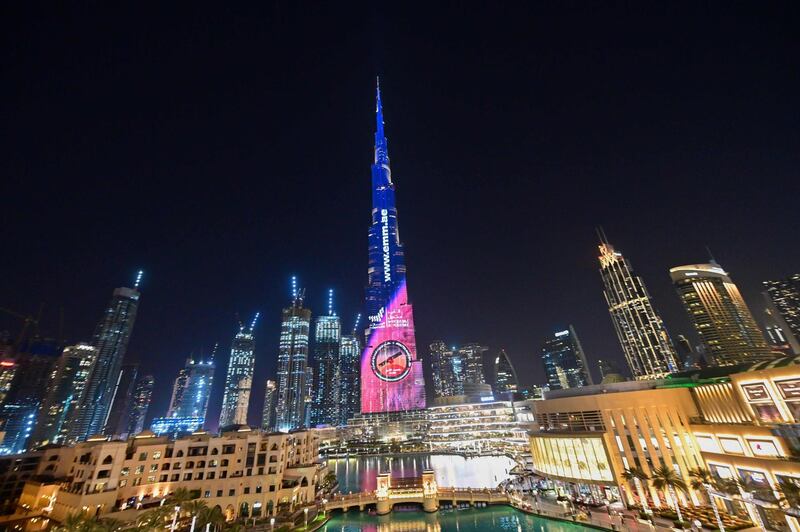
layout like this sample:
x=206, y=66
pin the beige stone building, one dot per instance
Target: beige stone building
x=247, y=473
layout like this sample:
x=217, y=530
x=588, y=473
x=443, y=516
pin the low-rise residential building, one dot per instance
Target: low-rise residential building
x=247, y=473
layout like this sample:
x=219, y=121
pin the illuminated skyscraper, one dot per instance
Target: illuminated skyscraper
x=505, y=378
x=139, y=404
x=565, y=362
x=349, y=390
x=719, y=315
x=641, y=332
x=447, y=371
x=268, y=412
x=28, y=389
x=239, y=378
x=391, y=375
x=117, y=423
x=472, y=356
x=290, y=408
x=190, y=394
x=783, y=306
x=327, y=335
x=111, y=341
x=64, y=393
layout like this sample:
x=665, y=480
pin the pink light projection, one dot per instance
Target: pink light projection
x=391, y=375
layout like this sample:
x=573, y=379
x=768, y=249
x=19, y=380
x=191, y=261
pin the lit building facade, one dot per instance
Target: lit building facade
x=641, y=332
x=720, y=316
x=64, y=393
x=585, y=438
x=192, y=389
x=246, y=473
x=472, y=356
x=327, y=336
x=564, y=361
x=111, y=341
x=447, y=370
x=290, y=407
x=268, y=411
x=483, y=428
x=140, y=404
x=349, y=381
x=239, y=377
x=506, y=383
x=391, y=375
x=783, y=299
x=20, y=409
x=117, y=422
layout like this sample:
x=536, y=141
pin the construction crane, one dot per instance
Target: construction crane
x=27, y=321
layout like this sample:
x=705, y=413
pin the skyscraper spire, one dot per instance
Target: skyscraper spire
x=381, y=148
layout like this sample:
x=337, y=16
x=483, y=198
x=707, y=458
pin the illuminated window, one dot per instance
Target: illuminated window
x=153, y=468
x=139, y=469
x=156, y=455
x=707, y=444
x=125, y=471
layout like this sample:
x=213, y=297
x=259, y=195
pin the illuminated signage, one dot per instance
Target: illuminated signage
x=756, y=392
x=391, y=375
x=559, y=334
x=789, y=389
x=387, y=269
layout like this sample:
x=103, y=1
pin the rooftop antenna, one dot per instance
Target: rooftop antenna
x=601, y=234
x=711, y=255
x=330, y=302
x=138, y=280
x=253, y=323
x=358, y=321
x=213, y=352
x=294, y=288
x=239, y=320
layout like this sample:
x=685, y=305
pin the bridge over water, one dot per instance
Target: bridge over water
x=413, y=490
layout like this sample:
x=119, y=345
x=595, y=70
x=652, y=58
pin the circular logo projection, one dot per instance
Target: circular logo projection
x=391, y=361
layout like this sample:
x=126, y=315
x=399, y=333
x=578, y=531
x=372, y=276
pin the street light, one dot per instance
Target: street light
x=271, y=524
x=305, y=514
x=324, y=505
x=174, y=519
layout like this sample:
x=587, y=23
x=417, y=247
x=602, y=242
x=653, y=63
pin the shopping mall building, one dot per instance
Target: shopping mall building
x=740, y=423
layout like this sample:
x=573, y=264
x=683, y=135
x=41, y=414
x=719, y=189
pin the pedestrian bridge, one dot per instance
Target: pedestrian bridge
x=413, y=490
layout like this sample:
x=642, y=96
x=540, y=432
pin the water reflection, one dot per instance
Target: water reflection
x=359, y=473
x=471, y=520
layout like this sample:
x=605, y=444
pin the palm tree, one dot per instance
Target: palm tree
x=665, y=478
x=77, y=522
x=179, y=496
x=154, y=518
x=211, y=516
x=637, y=476
x=702, y=480
x=109, y=525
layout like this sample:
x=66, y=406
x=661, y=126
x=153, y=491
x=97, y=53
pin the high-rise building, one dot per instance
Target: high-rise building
x=327, y=334
x=641, y=332
x=309, y=396
x=111, y=341
x=139, y=404
x=783, y=305
x=268, y=412
x=192, y=389
x=290, y=407
x=65, y=390
x=505, y=377
x=239, y=378
x=719, y=314
x=472, y=356
x=565, y=362
x=20, y=408
x=391, y=375
x=349, y=390
x=117, y=423
x=447, y=370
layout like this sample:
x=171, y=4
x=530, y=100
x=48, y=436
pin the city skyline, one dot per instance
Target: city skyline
x=436, y=170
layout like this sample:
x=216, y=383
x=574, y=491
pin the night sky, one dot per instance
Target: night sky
x=224, y=149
